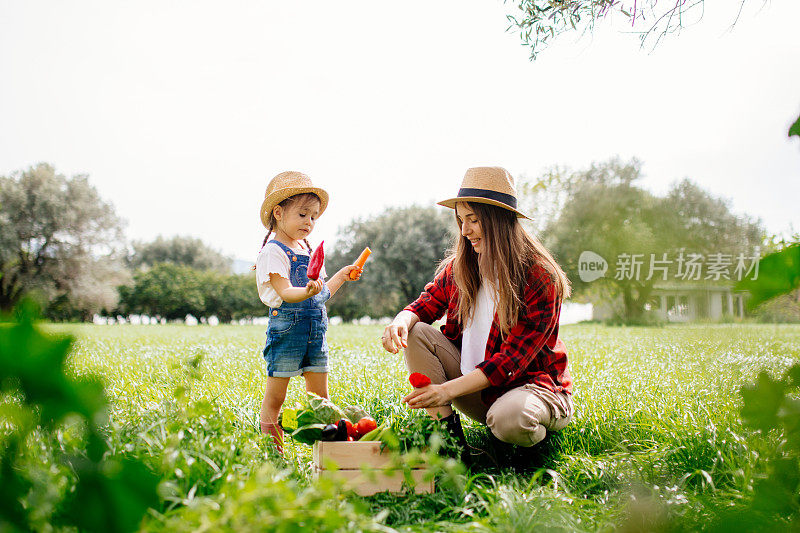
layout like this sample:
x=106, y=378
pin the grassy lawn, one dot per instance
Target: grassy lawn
x=657, y=429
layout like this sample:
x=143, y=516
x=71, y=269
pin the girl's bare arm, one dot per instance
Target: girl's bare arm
x=294, y=294
x=338, y=279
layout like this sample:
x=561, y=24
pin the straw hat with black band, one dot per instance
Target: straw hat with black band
x=487, y=185
x=288, y=184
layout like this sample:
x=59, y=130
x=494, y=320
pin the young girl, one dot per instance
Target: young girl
x=498, y=358
x=298, y=321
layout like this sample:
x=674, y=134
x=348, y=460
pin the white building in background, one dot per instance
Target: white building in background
x=684, y=302
x=687, y=303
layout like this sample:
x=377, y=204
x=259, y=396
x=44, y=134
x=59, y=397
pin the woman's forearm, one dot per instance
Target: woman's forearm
x=395, y=335
x=472, y=382
x=407, y=318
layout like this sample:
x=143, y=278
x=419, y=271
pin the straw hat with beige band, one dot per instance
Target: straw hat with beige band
x=487, y=185
x=288, y=184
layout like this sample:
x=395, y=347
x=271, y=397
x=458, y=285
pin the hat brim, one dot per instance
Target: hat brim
x=280, y=195
x=451, y=203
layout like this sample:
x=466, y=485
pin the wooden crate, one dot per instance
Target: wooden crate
x=354, y=458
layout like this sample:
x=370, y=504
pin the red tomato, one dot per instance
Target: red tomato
x=351, y=429
x=365, y=425
x=351, y=439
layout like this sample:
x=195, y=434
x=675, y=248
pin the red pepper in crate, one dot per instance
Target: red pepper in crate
x=418, y=380
x=316, y=261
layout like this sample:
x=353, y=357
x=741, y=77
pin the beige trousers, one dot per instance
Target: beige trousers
x=521, y=416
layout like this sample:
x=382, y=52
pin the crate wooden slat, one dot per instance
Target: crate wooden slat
x=352, y=458
x=350, y=455
x=365, y=484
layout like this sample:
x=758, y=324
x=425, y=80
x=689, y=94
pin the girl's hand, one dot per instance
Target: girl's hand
x=432, y=395
x=395, y=337
x=345, y=272
x=313, y=287
x=340, y=277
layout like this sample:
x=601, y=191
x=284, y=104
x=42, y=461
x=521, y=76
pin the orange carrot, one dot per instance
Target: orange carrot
x=360, y=262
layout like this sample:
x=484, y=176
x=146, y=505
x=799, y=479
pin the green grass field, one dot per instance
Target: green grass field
x=657, y=432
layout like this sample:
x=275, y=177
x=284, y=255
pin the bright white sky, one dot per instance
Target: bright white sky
x=181, y=112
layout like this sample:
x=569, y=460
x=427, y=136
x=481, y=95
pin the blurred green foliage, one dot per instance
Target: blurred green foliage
x=778, y=274
x=794, y=129
x=109, y=494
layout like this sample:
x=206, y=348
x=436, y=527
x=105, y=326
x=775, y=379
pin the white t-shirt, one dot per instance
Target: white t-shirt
x=273, y=260
x=476, y=332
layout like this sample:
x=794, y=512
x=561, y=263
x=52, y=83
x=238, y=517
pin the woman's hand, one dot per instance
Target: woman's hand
x=395, y=336
x=429, y=396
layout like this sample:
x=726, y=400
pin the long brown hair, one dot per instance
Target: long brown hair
x=510, y=252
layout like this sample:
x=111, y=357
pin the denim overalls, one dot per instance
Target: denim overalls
x=296, y=333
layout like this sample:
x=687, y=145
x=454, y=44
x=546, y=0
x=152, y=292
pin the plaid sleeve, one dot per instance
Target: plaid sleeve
x=517, y=354
x=431, y=305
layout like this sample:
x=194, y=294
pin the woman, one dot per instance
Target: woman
x=498, y=358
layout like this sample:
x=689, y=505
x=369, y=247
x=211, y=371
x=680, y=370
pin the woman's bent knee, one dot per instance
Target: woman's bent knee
x=417, y=346
x=518, y=430
x=419, y=329
x=518, y=418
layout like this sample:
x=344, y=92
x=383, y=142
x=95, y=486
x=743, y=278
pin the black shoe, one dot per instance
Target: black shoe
x=452, y=423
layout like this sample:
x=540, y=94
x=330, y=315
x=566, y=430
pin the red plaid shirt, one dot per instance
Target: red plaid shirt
x=530, y=353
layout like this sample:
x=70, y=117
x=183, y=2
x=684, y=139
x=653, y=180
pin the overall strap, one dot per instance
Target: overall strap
x=288, y=251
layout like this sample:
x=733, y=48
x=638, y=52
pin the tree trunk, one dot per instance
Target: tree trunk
x=643, y=295
x=631, y=311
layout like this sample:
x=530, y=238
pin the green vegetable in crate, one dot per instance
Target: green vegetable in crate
x=316, y=413
x=388, y=437
x=355, y=413
x=384, y=434
x=372, y=435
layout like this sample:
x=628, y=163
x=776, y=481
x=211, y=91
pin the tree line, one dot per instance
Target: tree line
x=62, y=244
